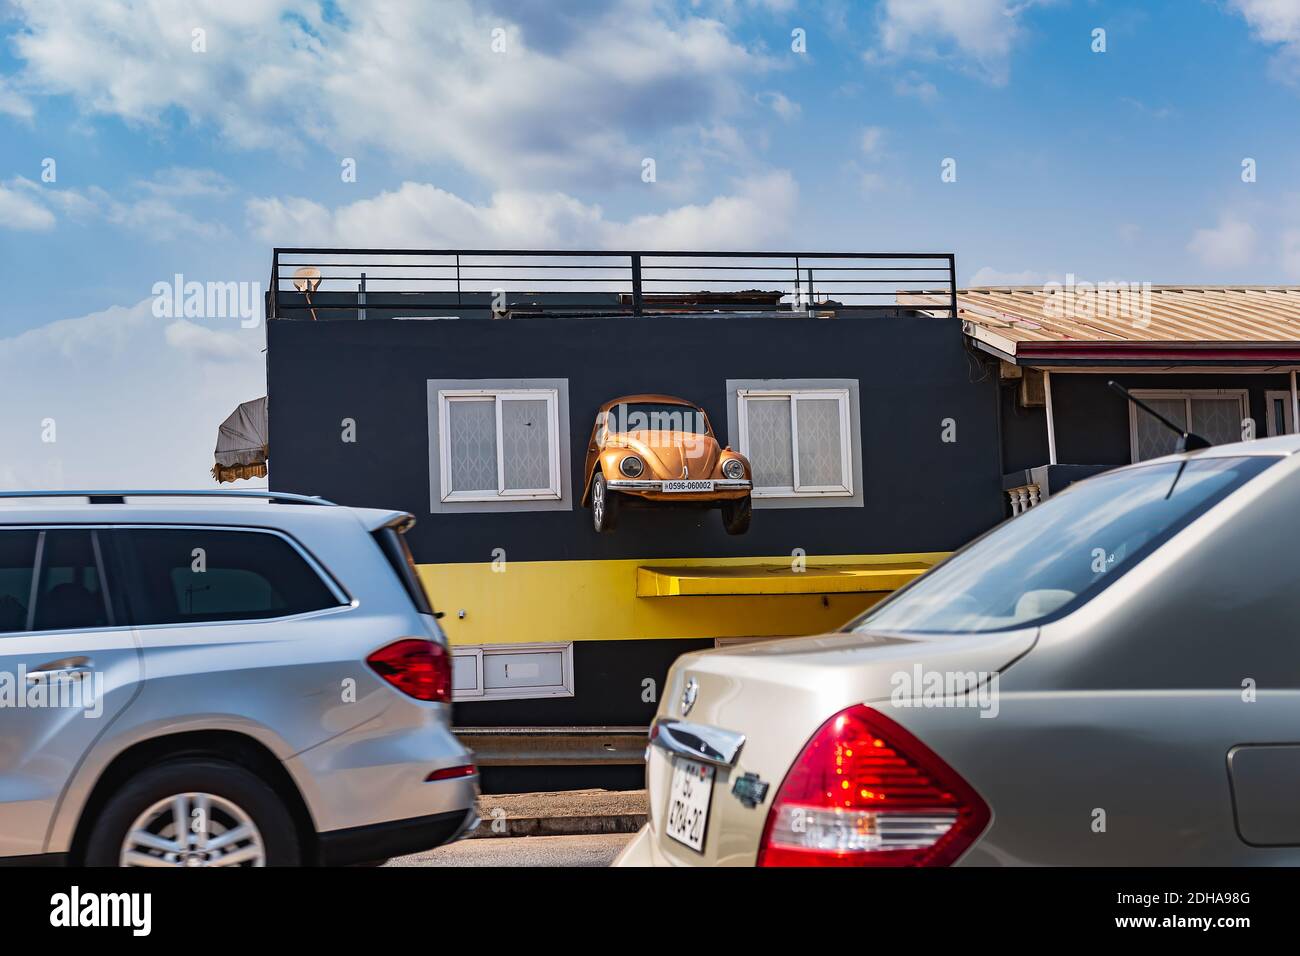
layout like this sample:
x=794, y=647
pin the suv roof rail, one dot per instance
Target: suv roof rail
x=117, y=497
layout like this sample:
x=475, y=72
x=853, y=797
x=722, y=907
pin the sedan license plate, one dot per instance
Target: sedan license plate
x=692, y=484
x=688, y=802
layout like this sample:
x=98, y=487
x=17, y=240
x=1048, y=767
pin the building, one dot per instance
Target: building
x=1220, y=361
x=562, y=636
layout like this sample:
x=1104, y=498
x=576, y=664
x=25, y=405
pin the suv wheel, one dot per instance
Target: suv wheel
x=194, y=812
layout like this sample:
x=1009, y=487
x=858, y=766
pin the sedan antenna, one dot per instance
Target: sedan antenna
x=1187, y=441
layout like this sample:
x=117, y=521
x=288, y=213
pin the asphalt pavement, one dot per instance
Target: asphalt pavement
x=596, y=849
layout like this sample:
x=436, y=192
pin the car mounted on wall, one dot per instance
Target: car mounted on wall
x=653, y=450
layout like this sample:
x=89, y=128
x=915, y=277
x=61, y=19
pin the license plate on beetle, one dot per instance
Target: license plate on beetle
x=688, y=802
x=688, y=484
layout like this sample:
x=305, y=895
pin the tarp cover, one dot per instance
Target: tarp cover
x=241, y=440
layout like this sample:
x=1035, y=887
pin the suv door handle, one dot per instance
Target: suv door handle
x=68, y=665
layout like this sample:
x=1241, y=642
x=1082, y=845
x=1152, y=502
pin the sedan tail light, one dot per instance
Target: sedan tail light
x=416, y=667
x=865, y=792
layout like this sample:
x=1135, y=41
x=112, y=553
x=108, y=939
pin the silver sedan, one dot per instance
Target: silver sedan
x=1111, y=678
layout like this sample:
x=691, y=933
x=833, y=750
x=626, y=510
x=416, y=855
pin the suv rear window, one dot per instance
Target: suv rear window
x=1056, y=557
x=185, y=575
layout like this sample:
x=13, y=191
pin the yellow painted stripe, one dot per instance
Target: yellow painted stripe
x=545, y=601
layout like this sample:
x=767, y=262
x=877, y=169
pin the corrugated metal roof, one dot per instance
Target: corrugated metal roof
x=1130, y=319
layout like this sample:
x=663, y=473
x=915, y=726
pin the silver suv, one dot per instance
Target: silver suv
x=219, y=679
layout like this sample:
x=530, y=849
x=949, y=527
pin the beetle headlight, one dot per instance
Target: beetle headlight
x=733, y=468
x=631, y=466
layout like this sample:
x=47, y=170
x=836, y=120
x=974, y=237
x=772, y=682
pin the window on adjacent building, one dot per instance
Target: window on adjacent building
x=798, y=441
x=1279, y=413
x=498, y=445
x=1214, y=414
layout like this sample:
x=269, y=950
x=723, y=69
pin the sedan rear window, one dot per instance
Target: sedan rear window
x=1057, y=556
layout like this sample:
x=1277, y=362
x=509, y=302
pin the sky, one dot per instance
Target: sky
x=145, y=139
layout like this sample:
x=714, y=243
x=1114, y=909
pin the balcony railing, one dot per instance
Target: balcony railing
x=331, y=283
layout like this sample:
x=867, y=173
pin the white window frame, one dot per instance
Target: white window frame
x=446, y=397
x=1283, y=395
x=1186, y=394
x=794, y=395
x=481, y=651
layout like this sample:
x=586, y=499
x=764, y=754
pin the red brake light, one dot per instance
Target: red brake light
x=417, y=667
x=865, y=792
x=452, y=773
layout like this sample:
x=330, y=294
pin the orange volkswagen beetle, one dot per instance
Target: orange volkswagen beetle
x=657, y=449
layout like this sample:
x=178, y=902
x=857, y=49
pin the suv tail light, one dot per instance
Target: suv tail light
x=417, y=667
x=865, y=792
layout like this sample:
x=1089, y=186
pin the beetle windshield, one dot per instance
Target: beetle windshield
x=656, y=417
x=1057, y=556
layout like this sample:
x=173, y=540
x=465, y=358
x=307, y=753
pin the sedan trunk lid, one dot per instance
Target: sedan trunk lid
x=776, y=695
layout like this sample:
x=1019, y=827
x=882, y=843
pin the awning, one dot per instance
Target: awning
x=241, y=443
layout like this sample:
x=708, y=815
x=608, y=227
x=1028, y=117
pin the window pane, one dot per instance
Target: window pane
x=1055, y=557
x=1153, y=438
x=526, y=443
x=70, y=593
x=17, y=564
x=473, y=445
x=770, y=455
x=238, y=575
x=1218, y=420
x=821, y=456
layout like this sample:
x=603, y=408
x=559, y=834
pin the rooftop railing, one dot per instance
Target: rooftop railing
x=332, y=283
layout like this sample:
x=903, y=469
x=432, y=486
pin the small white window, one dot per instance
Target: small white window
x=798, y=441
x=512, y=671
x=1214, y=414
x=497, y=445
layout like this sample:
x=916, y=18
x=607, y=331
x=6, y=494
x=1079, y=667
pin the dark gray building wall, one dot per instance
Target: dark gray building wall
x=921, y=493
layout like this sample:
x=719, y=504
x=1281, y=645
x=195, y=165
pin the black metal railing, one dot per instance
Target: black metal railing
x=331, y=283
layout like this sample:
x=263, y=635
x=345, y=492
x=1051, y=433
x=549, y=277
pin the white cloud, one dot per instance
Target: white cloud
x=203, y=343
x=1276, y=23
x=14, y=103
x=978, y=34
x=916, y=86
x=781, y=105
x=1228, y=245
x=1272, y=21
x=184, y=182
x=134, y=402
x=871, y=140
x=153, y=210
x=563, y=94
x=420, y=214
x=21, y=209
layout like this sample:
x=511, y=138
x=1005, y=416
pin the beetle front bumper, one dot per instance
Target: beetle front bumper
x=652, y=484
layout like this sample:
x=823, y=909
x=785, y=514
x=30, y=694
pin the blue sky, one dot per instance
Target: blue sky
x=525, y=123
